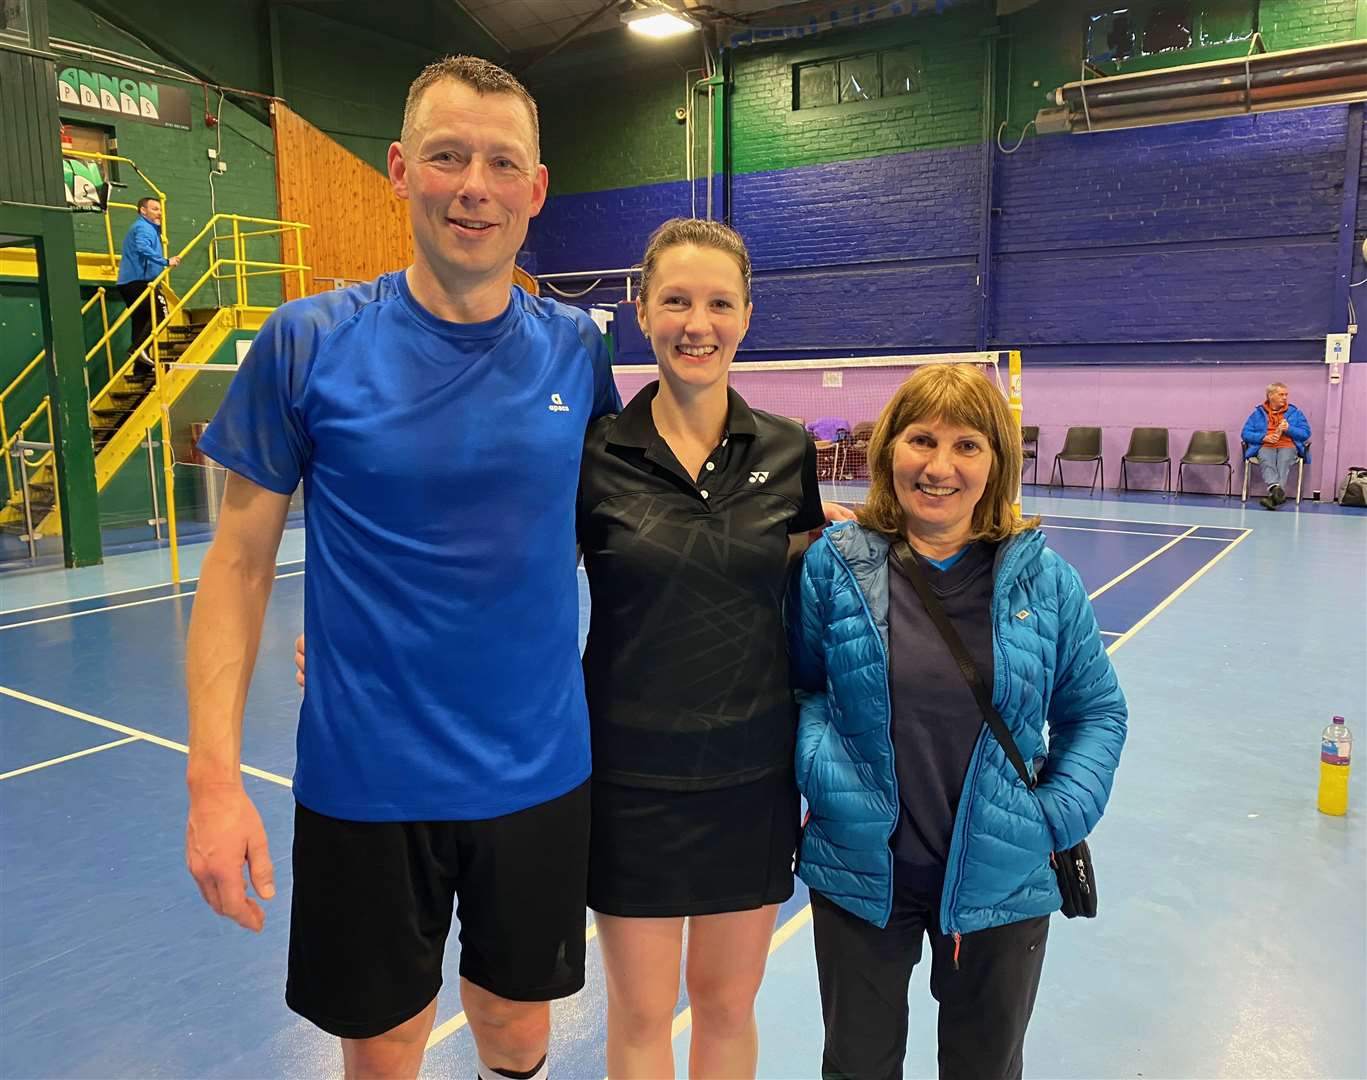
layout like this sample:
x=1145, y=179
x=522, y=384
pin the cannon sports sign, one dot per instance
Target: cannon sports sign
x=129, y=99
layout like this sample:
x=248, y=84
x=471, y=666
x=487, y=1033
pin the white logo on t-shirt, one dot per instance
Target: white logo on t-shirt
x=557, y=405
x=758, y=477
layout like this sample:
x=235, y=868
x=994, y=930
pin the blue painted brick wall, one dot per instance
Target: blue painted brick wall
x=918, y=205
x=1223, y=230
x=602, y=230
x=1278, y=174
x=1196, y=236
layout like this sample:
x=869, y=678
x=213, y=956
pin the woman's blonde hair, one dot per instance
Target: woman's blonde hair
x=954, y=394
x=699, y=233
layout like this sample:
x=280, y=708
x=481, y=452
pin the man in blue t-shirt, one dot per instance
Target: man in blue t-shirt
x=435, y=417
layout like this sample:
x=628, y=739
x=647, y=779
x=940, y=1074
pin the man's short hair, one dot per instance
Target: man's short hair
x=1277, y=386
x=142, y=203
x=481, y=76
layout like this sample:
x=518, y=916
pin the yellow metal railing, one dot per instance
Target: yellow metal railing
x=29, y=368
x=90, y=155
x=241, y=269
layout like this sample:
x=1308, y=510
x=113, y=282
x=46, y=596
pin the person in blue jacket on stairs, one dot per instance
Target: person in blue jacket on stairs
x=919, y=825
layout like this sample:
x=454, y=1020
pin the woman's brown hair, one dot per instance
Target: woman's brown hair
x=699, y=233
x=955, y=394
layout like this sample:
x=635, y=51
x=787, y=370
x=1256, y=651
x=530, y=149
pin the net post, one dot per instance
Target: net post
x=1013, y=401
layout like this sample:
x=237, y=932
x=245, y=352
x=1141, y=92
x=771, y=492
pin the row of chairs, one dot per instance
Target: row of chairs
x=1149, y=446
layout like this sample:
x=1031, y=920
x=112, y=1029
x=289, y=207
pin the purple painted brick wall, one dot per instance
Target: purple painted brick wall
x=1114, y=398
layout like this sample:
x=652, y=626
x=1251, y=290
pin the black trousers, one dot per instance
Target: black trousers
x=985, y=1001
x=141, y=318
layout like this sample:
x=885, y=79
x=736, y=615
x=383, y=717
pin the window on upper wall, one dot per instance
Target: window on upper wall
x=1146, y=33
x=868, y=76
x=14, y=25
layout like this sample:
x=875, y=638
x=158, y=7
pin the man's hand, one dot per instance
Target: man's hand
x=174, y=261
x=836, y=512
x=299, y=659
x=223, y=831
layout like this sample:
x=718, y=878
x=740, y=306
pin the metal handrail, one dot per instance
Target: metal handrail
x=5, y=438
x=108, y=229
x=240, y=273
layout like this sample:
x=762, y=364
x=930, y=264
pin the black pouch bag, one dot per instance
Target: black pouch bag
x=1072, y=868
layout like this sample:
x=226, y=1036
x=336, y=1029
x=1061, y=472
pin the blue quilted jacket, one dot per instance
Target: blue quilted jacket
x=1050, y=666
x=1255, y=428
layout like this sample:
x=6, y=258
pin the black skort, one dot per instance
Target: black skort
x=661, y=854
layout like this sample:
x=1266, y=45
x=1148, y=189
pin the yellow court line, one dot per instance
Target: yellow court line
x=1142, y=562
x=116, y=607
x=124, y=729
x=781, y=935
x=68, y=757
x=1175, y=594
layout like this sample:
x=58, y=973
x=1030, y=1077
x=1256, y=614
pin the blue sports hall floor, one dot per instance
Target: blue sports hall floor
x=1232, y=940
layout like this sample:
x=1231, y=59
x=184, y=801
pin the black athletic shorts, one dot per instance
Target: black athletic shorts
x=372, y=908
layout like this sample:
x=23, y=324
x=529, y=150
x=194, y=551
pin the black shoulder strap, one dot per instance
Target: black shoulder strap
x=906, y=559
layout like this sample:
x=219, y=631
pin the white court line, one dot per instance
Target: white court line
x=124, y=729
x=68, y=757
x=118, y=592
x=1174, y=595
x=1130, y=532
x=117, y=607
x=1142, y=562
x=1133, y=521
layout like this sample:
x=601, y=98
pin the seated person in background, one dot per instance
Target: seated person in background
x=1276, y=433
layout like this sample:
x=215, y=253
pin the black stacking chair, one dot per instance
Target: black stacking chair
x=1149, y=446
x=1030, y=447
x=1080, y=444
x=1208, y=448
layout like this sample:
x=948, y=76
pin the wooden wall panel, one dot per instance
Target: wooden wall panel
x=357, y=228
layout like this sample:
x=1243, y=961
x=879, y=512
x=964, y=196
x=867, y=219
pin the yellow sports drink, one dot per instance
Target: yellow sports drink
x=1336, y=751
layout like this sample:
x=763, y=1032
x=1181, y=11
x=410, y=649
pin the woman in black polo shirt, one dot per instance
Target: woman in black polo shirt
x=691, y=508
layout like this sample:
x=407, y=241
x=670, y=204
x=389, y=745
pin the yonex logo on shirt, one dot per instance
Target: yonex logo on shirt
x=557, y=405
x=758, y=477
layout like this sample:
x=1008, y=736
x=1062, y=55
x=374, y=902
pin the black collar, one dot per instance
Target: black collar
x=635, y=424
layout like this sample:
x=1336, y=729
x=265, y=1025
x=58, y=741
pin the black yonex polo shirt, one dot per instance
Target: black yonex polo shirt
x=686, y=670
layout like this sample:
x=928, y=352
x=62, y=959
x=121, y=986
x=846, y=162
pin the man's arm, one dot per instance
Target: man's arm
x=224, y=828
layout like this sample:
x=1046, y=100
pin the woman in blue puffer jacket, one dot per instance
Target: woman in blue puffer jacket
x=919, y=825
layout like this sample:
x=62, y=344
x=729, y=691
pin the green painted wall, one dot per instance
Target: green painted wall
x=603, y=135
x=177, y=160
x=769, y=134
x=616, y=129
x=344, y=67
x=1294, y=24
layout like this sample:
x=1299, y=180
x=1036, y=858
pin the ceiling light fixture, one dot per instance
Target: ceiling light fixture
x=657, y=20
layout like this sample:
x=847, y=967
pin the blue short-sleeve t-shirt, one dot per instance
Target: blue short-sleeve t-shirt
x=440, y=463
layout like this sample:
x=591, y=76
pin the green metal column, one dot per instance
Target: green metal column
x=60, y=301
x=1360, y=20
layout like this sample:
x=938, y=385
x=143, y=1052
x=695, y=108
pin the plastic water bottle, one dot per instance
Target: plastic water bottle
x=1336, y=748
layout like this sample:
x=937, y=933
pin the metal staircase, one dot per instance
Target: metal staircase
x=138, y=395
